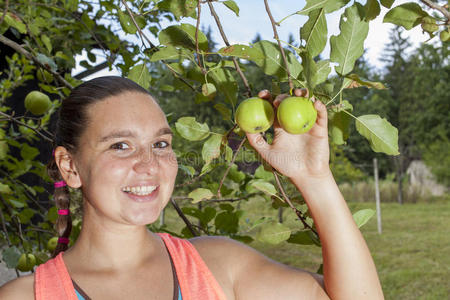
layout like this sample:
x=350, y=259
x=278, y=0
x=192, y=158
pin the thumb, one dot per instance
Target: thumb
x=258, y=142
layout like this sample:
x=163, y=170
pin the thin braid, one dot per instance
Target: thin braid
x=61, y=196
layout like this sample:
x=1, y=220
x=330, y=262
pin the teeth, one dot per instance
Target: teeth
x=140, y=190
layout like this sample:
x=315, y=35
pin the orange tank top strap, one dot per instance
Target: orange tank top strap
x=52, y=281
x=196, y=280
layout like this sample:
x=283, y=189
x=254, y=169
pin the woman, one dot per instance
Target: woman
x=114, y=143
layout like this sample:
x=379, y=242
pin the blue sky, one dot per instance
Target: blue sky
x=253, y=19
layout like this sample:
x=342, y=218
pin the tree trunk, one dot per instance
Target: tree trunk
x=399, y=173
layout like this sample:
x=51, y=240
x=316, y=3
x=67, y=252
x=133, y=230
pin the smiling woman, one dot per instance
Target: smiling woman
x=114, y=143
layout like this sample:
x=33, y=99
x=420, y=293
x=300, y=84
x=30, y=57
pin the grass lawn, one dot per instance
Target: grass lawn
x=412, y=254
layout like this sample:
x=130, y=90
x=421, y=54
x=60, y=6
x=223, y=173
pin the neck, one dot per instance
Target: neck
x=109, y=245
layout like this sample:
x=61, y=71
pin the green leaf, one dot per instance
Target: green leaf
x=200, y=194
x=232, y=5
x=273, y=233
x=127, y=23
x=328, y=5
x=387, y=3
x=354, y=81
x=348, y=46
x=314, y=32
x=224, y=111
x=11, y=256
x=273, y=63
x=46, y=40
x=372, y=10
x=140, y=75
x=407, y=15
x=323, y=69
x=4, y=148
x=16, y=204
x=263, y=174
x=265, y=187
x=340, y=125
x=14, y=21
x=211, y=148
x=170, y=52
x=47, y=62
x=382, y=136
x=28, y=153
x=184, y=36
x=361, y=217
x=209, y=90
x=302, y=237
x=26, y=215
x=187, y=169
x=179, y=8
x=227, y=222
x=309, y=70
x=226, y=83
x=191, y=130
x=5, y=189
x=242, y=51
x=87, y=20
x=236, y=175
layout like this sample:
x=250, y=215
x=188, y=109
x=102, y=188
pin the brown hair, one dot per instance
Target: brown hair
x=72, y=121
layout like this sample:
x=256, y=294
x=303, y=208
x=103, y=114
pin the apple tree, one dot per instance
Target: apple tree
x=218, y=167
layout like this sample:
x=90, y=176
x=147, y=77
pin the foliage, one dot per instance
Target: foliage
x=186, y=67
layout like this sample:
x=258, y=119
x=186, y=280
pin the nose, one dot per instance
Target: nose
x=146, y=162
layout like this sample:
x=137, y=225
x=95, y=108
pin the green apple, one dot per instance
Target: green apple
x=254, y=115
x=26, y=262
x=445, y=35
x=296, y=115
x=52, y=243
x=37, y=103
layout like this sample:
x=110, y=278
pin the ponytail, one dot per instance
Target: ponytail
x=61, y=196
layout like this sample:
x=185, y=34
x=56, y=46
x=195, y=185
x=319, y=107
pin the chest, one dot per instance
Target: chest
x=149, y=284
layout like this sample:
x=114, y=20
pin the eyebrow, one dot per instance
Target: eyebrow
x=128, y=133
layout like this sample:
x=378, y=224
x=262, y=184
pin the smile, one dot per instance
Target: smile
x=139, y=190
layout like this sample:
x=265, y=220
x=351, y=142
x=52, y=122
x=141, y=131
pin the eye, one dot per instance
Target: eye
x=161, y=144
x=120, y=146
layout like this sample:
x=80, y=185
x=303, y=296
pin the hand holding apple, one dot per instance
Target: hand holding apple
x=299, y=156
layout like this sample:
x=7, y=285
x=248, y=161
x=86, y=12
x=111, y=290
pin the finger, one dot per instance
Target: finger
x=301, y=93
x=265, y=94
x=322, y=115
x=279, y=98
x=258, y=142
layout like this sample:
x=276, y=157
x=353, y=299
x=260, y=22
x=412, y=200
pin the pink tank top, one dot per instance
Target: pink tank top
x=52, y=280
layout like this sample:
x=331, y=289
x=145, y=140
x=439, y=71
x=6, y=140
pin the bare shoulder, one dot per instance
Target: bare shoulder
x=253, y=275
x=21, y=288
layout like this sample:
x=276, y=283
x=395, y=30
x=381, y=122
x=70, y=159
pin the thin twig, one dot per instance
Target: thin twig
x=229, y=166
x=11, y=118
x=283, y=55
x=441, y=9
x=29, y=56
x=224, y=37
x=184, y=218
x=8, y=240
x=197, y=49
x=288, y=201
x=218, y=200
x=5, y=11
x=193, y=180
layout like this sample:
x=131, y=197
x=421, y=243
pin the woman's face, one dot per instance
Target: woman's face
x=125, y=162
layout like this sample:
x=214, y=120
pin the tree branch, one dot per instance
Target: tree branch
x=224, y=37
x=29, y=56
x=197, y=50
x=288, y=201
x=283, y=55
x=152, y=46
x=5, y=11
x=11, y=118
x=183, y=217
x=441, y=9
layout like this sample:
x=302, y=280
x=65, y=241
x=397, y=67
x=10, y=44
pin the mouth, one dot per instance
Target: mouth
x=144, y=190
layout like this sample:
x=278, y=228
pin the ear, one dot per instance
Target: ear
x=67, y=168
